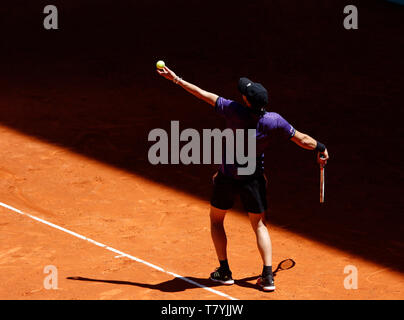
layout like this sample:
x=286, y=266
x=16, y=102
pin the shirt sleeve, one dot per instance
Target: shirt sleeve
x=225, y=107
x=285, y=128
x=274, y=122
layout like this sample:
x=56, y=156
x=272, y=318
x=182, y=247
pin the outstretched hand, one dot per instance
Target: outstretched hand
x=322, y=158
x=167, y=73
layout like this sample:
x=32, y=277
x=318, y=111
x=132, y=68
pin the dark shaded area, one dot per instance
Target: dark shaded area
x=175, y=284
x=185, y=283
x=91, y=86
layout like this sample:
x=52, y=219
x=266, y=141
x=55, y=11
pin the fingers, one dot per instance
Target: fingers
x=161, y=71
x=165, y=71
x=322, y=158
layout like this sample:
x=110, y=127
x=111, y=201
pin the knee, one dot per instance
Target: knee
x=259, y=226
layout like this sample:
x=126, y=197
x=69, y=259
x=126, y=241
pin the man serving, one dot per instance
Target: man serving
x=228, y=183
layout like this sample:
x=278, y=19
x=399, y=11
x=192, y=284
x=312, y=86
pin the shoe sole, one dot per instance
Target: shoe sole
x=265, y=288
x=228, y=282
x=272, y=288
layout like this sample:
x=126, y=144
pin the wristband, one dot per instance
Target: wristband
x=320, y=147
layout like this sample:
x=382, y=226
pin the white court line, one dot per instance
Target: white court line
x=120, y=253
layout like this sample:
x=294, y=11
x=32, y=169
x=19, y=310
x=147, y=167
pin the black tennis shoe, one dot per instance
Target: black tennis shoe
x=266, y=283
x=222, y=276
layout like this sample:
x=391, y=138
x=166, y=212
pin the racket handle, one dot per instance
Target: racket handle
x=322, y=180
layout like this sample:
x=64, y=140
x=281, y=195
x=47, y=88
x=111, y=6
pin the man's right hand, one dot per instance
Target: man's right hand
x=322, y=157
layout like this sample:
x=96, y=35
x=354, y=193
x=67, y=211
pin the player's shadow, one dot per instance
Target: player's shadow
x=176, y=284
x=173, y=285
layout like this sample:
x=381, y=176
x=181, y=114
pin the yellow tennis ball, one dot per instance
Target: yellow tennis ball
x=160, y=64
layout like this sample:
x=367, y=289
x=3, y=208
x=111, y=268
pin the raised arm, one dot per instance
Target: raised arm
x=191, y=88
x=305, y=141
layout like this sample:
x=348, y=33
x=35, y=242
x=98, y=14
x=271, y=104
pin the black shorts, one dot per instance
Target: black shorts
x=252, y=193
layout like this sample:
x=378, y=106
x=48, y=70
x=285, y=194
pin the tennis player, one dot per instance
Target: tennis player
x=227, y=183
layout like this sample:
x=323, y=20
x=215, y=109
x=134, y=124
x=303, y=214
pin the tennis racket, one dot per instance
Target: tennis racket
x=285, y=265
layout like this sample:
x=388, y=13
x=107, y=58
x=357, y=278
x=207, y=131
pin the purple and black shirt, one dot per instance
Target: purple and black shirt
x=269, y=126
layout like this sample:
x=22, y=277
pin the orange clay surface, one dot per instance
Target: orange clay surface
x=76, y=107
x=149, y=221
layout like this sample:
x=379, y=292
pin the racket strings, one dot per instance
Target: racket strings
x=285, y=265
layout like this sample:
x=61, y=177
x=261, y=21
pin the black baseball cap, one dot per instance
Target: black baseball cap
x=255, y=93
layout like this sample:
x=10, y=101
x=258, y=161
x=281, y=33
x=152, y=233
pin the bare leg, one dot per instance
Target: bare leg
x=263, y=239
x=217, y=232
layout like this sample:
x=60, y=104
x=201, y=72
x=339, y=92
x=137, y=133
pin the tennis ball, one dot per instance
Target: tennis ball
x=160, y=64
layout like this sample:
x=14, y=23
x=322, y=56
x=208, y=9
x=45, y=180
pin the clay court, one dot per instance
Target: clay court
x=77, y=190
